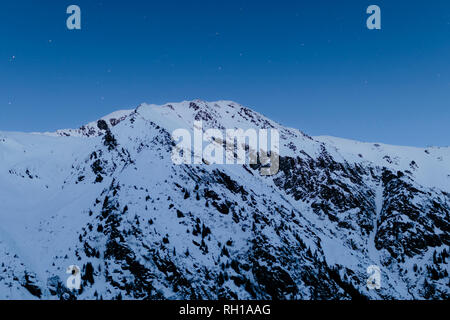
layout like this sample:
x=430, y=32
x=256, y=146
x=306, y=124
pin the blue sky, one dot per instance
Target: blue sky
x=312, y=65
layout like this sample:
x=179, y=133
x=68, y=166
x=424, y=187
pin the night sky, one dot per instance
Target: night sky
x=312, y=65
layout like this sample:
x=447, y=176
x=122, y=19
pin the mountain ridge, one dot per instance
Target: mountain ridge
x=141, y=227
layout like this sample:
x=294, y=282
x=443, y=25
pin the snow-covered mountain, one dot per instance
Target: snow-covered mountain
x=108, y=198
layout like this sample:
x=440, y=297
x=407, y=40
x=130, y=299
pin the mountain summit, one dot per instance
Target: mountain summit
x=108, y=198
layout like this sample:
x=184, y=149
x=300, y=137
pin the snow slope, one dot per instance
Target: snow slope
x=108, y=198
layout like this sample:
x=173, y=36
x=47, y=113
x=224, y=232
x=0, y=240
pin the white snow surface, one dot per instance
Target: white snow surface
x=43, y=206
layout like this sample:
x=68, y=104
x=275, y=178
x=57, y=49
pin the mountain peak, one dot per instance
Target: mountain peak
x=109, y=198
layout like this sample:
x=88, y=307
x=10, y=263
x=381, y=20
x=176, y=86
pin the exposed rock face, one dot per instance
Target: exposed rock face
x=108, y=198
